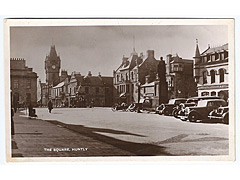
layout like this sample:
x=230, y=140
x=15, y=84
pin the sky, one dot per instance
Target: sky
x=101, y=48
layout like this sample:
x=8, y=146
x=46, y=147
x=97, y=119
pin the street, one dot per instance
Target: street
x=142, y=133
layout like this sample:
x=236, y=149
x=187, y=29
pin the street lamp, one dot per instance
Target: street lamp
x=138, y=85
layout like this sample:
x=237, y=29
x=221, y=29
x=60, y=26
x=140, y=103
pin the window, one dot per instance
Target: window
x=15, y=84
x=225, y=54
x=175, y=68
x=117, y=78
x=28, y=83
x=213, y=57
x=118, y=90
x=97, y=90
x=204, y=77
x=212, y=74
x=127, y=88
x=222, y=56
x=216, y=56
x=86, y=90
x=221, y=75
x=208, y=57
x=213, y=93
x=132, y=75
x=204, y=93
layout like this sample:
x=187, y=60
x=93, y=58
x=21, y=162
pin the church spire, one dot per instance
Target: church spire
x=197, y=53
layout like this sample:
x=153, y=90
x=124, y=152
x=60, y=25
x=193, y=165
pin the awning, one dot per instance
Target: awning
x=122, y=95
x=59, y=85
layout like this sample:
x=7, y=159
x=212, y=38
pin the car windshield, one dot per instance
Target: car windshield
x=179, y=101
x=192, y=101
x=202, y=104
x=205, y=103
x=215, y=103
x=171, y=101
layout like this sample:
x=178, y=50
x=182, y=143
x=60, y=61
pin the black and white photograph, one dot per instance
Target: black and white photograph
x=123, y=89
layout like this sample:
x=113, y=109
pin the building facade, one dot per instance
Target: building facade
x=131, y=75
x=179, y=75
x=89, y=90
x=23, y=83
x=211, y=71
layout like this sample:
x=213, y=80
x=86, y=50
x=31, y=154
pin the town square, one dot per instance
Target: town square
x=120, y=91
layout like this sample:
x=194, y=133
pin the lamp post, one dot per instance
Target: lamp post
x=138, y=85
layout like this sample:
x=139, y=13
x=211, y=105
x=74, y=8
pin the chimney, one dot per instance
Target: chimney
x=89, y=73
x=150, y=53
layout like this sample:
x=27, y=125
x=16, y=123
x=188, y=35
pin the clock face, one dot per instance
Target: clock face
x=53, y=66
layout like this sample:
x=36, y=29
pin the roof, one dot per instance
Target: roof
x=93, y=80
x=197, y=52
x=215, y=49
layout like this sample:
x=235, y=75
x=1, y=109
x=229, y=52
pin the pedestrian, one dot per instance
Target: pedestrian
x=50, y=106
x=92, y=103
x=30, y=110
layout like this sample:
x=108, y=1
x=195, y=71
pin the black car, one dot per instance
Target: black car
x=202, y=110
x=167, y=109
x=180, y=110
x=220, y=114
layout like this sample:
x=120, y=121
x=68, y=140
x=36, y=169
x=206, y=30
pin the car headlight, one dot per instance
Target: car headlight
x=187, y=110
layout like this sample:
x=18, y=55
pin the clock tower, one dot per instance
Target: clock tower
x=52, y=67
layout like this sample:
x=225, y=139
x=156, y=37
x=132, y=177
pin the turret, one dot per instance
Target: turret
x=197, y=60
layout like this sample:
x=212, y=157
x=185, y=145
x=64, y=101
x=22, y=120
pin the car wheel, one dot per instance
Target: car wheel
x=225, y=120
x=175, y=113
x=193, y=117
x=166, y=112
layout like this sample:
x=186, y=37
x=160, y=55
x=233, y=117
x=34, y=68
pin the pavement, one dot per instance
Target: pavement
x=86, y=132
x=39, y=138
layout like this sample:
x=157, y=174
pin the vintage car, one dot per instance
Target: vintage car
x=220, y=114
x=180, y=110
x=202, y=110
x=167, y=109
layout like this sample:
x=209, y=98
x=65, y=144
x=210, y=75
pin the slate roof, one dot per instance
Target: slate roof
x=215, y=49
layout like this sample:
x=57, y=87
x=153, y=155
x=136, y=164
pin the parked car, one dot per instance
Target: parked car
x=202, y=110
x=167, y=109
x=180, y=110
x=220, y=114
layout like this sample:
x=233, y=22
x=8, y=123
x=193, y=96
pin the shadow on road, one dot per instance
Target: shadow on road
x=139, y=149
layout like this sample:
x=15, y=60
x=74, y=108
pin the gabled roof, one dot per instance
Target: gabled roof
x=215, y=49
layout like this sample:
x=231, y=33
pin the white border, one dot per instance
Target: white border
x=94, y=22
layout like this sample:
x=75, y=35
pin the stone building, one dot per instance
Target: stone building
x=211, y=71
x=179, y=75
x=59, y=92
x=131, y=74
x=23, y=83
x=90, y=90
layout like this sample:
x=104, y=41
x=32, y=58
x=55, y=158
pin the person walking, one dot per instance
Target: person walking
x=50, y=106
